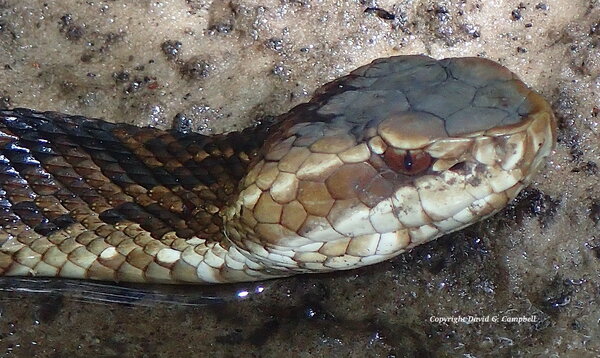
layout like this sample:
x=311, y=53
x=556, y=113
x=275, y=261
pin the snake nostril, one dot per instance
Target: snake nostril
x=459, y=167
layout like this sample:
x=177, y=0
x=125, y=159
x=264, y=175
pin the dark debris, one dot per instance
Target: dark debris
x=557, y=295
x=121, y=76
x=5, y=101
x=381, y=13
x=194, y=69
x=590, y=168
x=72, y=31
x=275, y=44
x=595, y=212
x=171, y=48
x=533, y=203
x=181, y=124
x=221, y=28
x=568, y=135
x=517, y=14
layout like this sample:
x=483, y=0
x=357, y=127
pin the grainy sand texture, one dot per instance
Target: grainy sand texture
x=226, y=64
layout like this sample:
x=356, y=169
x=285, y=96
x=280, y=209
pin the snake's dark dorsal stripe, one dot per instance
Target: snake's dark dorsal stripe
x=97, y=156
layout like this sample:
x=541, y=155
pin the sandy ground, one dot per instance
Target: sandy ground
x=225, y=64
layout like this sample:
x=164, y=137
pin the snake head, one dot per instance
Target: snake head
x=395, y=154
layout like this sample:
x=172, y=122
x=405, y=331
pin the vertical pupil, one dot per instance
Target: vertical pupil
x=408, y=161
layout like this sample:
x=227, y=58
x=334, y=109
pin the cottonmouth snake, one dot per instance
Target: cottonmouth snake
x=393, y=155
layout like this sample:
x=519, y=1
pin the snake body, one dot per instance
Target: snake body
x=393, y=155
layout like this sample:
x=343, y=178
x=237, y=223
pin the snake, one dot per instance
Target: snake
x=393, y=155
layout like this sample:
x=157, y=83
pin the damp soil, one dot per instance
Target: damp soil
x=223, y=65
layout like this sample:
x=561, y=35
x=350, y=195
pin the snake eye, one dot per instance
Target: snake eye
x=407, y=162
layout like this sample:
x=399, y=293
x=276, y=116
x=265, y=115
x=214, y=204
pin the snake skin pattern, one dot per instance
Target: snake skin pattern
x=393, y=155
